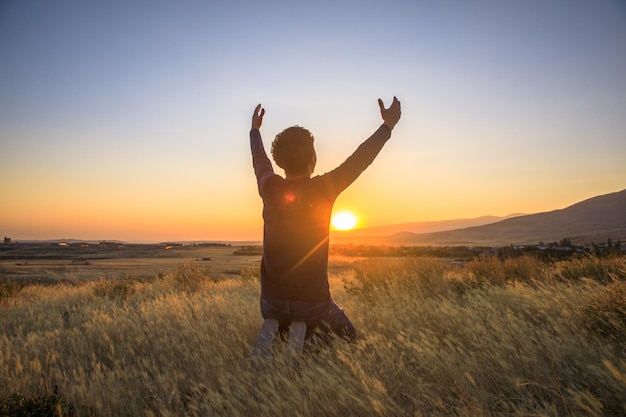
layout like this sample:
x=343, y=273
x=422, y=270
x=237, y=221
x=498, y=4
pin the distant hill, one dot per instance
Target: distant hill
x=421, y=227
x=595, y=219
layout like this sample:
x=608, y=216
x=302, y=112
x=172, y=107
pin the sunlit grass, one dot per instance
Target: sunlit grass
x=505, y=338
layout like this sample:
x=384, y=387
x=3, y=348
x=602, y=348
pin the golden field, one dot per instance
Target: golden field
x=518, y=337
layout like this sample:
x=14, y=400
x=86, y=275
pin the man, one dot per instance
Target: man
x=296, y=214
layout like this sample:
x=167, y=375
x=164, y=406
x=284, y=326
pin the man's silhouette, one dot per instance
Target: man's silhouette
x=296, y=214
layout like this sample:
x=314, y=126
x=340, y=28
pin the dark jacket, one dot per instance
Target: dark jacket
x=296, y=216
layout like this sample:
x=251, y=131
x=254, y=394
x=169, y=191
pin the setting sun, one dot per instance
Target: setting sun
x=344, y=220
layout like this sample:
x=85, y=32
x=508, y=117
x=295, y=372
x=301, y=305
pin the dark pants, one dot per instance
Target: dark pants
x=318, y=316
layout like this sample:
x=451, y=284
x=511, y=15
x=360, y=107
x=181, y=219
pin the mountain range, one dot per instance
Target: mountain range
x=593, y=220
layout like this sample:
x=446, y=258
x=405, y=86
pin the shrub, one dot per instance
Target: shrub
x=382, y=276
x=189, y=278
x=250, y=274
x=9, y=288
x=602, y=270
x=604, y=313
x=492, y=271
x=113, y=289
x=249, y=251
x=17, y=405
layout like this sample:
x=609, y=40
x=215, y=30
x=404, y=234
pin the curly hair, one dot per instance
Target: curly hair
x=293, y=150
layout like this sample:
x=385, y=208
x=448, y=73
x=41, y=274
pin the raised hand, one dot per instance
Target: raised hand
x=392, y=114
x=257, y=117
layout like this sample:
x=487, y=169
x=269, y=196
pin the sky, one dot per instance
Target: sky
x=129, y=120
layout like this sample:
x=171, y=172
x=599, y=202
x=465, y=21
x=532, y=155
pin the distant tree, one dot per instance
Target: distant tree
x=565, y=242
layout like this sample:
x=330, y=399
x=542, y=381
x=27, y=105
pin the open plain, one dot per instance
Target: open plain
x=50, y=263
x=170, y=335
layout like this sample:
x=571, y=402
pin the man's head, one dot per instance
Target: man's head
x=294, y=152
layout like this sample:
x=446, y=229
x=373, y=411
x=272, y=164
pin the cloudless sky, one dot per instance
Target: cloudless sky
x=129, y=119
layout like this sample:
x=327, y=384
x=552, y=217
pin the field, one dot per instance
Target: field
x=516, y=337
x=56, y=264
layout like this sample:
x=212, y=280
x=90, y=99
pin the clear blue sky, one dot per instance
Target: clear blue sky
x=129, y=119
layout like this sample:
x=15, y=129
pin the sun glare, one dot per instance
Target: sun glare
x=344, y=220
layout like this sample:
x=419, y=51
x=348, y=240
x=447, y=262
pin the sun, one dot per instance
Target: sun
x=344, y=220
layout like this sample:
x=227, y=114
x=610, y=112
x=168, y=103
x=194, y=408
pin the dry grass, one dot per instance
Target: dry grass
x=513, y=338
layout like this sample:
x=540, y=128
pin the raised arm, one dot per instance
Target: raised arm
x=351, y=168
x=391, y=115
x=261, y=163
x=257, y=117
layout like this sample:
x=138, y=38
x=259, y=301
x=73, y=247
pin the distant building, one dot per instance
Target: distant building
x=7, y=240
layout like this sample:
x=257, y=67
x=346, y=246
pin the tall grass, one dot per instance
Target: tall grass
x=496, y=338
